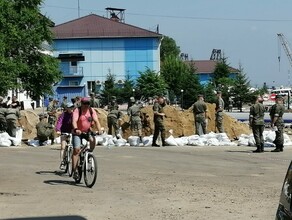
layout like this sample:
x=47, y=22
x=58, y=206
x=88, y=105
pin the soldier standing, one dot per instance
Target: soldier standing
x=94, y=102
x=200, y=114
x=52, y=109
x=45, y=130
x=277, y=123
x=256, y=122
x=12, y=116
x=158, y=121
x=3, y=111
x=134, y=113
x=113, y=118
x=219, y=112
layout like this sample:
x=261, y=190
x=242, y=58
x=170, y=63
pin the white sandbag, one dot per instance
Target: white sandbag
x=134, y=140
x=147, y=141
x=213, y=142
x=110, y=140
x=15, y=141
x=33, y=143
x=19, y=132
x=120, y=142
x=198, y=142
x=192, y=139
x=222, y=137
x=251, y=141
x=98, y=139
x=269, y=144
x=58, y=140
x=286, y=138
x=185, y=140
x=179, y=141
x=210, y=135
x=4, y=142
x=269, y=136
x=170, y=141
x=243, y=141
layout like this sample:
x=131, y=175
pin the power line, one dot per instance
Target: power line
x=183, y=17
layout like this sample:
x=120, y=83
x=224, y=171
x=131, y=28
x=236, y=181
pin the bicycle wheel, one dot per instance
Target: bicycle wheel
x=90, y=170
x=79, y=169
x=69, y=160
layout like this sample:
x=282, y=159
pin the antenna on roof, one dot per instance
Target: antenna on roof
x=78, y=9
x=116, y=14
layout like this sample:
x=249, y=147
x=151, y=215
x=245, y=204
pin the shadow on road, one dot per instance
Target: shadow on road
x=239, y=151
x=49, y=172
x=72, y=217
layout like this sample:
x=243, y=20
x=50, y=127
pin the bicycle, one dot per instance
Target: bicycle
x=68, y=152
x=87, y=162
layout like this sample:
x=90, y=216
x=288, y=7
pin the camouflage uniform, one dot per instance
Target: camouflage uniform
x=256, y=118
x=219, y=114
x=112, y=121
x=12, y=116
x=199, y=110
x=3, y=123
x=277, y=110
x=52, y=108
x=158, y=124
x=135, y=116
x=94, y=102
x=44, y=131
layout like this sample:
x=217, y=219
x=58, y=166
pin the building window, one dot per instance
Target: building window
x=91, y=86
x=73, y=83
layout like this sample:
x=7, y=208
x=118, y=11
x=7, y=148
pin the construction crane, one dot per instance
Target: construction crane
x=285, y=44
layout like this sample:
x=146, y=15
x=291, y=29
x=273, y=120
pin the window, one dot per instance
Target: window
x=91, y=86
x=73, y=83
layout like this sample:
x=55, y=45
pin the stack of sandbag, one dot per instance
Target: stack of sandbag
x=6, y=140
x=269, y=137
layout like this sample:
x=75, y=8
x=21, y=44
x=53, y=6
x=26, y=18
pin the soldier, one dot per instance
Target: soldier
x=45, y=130
x=113, y=103
x=158, y=121
x=64, y=103
x=134, y=113
x=219, y=112
x=113, y=119
x=3, y=110
x=277, y=123
x=52, y=110
x=12, y=116
x=256, y=122
x=131, y=102
x=200, y=114
x=94, y=102
x=77, y=102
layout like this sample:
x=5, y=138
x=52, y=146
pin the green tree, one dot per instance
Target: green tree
x=150, y=84
x=127, y=90
x=181, y=77
x=23, y=65
x=210, y=93
x=222, y=70
x=168, y=48
x=240, y=90
x=109, y=89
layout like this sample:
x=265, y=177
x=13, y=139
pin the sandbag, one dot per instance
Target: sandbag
x=170, y=141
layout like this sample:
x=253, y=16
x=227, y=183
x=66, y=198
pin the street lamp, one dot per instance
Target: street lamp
x=182, y=98
x=133, y=90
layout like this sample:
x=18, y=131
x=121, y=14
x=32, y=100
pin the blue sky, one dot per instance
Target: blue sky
x=246, y=30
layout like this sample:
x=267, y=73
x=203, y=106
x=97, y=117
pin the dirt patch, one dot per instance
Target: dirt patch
x=181, y=122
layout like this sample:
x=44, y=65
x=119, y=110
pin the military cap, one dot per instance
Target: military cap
x=279, y=96
x=42, y=115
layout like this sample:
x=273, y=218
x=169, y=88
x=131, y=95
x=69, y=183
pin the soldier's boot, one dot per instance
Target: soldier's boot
x=262, y=148
x=281, y=148
x=277, y=149
x=258, y=150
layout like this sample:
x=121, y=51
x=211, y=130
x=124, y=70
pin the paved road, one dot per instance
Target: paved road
x=243, y=116
x=144, y=183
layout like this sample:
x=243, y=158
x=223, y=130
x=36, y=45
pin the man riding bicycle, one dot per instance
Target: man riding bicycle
x=83, y=119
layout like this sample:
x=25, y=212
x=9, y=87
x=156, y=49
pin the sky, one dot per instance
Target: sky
x=245, y=30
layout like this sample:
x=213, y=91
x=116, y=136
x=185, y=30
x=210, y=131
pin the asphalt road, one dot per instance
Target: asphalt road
x=244, y=116
x=144, y=183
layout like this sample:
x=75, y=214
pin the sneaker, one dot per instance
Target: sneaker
x=76, y=175
x=62, y=166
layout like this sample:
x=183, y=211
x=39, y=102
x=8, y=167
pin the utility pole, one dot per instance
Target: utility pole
x=78, y=9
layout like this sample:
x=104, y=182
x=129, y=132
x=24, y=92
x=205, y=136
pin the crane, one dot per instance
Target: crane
x=285, y=44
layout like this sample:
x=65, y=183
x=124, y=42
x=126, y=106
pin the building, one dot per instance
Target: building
x=205, y=70
x=91, y=47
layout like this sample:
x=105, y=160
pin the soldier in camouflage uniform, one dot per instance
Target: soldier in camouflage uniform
x=52, y=110
x=256, y=122
x=158, y=121
x=219, y=112
x=3, y=110
x=94, y=102
x=200, y=114
x=113, y=118
x=45, y=130
x=134, y=113
x=277, y=123
x=12, y=116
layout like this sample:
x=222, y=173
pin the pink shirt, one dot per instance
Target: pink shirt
x=84, y=123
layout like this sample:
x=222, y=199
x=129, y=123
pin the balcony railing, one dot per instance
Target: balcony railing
x=73, y=71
